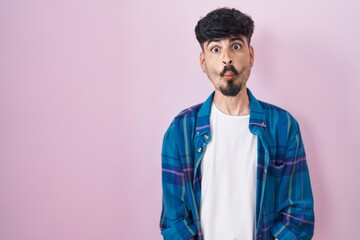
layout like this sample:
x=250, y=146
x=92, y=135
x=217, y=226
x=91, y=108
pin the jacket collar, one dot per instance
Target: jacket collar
x=257, y=115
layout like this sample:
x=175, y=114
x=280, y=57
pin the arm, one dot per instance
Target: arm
x=294, y=195
x=176, y=221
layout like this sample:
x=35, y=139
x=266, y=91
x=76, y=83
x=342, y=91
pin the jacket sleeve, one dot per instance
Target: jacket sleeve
x=176, y=222
x=294, y=199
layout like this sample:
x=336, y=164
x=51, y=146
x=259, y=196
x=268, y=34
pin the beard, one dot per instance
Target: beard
x=233, y=87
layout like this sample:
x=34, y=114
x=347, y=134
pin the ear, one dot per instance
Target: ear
x=202, y=61
x=252, y=55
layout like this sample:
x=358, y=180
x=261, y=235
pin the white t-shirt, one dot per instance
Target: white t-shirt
x=228, y=187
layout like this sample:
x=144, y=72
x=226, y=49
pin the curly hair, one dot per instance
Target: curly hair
x=224, y=22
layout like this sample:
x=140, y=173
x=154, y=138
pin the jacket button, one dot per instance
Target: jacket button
x=199, y=149
x=206, y=137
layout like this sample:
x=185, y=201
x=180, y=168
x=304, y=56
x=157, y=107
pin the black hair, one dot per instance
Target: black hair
x=224, y=22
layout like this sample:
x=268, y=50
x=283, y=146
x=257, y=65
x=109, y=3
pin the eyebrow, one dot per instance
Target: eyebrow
x=236, y=38
x=213, y=40
x=232, y=39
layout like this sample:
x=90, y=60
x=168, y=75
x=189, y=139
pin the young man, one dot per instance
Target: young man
x=233, y=167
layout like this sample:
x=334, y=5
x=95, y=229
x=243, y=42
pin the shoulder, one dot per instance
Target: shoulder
x=275, y=113
x=281, y=124
x=185, y=122
x=190, y=112
x=270, y=113
x=185, y=118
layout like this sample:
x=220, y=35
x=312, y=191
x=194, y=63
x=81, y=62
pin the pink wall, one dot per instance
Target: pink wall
x=87, y=89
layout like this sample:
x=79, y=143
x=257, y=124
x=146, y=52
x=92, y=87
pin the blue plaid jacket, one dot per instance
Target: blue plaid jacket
x=284, y=201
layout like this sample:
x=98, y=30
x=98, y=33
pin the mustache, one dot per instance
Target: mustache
x=229, y=68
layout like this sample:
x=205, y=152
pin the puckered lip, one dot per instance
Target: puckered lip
x=229, y=74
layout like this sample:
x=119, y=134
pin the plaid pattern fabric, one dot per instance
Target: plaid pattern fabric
x=284, y=201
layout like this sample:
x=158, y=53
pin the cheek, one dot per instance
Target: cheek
x=213, y=75
x=241, y=67
x=211, y=63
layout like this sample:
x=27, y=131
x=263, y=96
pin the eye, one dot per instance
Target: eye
x=215, y=49
x=236, y=47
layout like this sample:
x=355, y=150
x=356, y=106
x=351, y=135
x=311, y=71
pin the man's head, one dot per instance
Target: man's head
x=227, y=57
x=224, y=22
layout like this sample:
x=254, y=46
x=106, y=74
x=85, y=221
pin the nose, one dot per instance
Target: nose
x=226, y=58
x=227, y=63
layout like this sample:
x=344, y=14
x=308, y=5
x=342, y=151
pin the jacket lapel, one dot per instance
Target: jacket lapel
x=257, y=126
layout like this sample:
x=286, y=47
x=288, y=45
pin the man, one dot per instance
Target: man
x=233, y=167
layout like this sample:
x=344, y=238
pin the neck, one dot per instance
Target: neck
x=238, y=105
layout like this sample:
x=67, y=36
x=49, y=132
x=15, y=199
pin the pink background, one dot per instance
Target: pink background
x=88, y=88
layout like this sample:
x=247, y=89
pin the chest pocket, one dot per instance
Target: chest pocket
x=276, y=167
